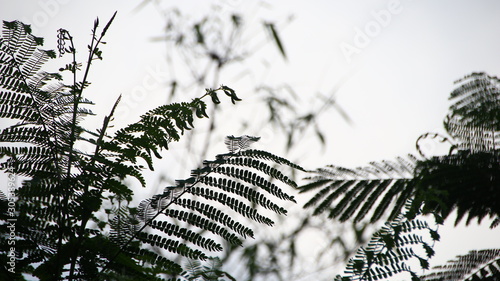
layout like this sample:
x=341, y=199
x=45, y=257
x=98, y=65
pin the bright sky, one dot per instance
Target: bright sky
x=389, y=64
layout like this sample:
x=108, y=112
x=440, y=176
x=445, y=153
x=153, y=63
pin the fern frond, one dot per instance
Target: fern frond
x=66, y=186
x=471, y=137
x=361, y=192
x=13, y=98
x=153, y=132
x=33, y=152
x=254, y=179
x=474, y=118
x=215, y=214
x=149, y=208
x=187, y=235
x=476, y=100
x=203, y=223
x=153, y=258
x=355, y=193
x=465, y=182
x=172, y=246
x=210, y=272
x=260, y=154
x=390, y=249
x=21, y=45
x=17, y=106
x=239, y=143
x=244, y=191
x=42, y=106
x=126, y=267
x=123, y=226
x=226, y=175
x=476, y=265
x=36, y=135
x=262, y=167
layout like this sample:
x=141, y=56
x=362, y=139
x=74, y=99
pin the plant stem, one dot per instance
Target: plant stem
x=77, y=94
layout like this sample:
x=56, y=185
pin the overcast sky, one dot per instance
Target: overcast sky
x=389, y=64
x=392, y=63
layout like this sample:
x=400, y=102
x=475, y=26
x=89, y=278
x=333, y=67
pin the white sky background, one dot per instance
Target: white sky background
x=395, y=89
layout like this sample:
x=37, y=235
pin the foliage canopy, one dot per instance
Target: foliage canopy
x=73, y=218
x=464, y=181
x=60, y=231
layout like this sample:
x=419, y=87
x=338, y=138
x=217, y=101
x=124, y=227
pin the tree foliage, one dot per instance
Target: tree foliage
x=60, y=231
x=475, y=265
x=464, y=181
x=73, y=218
x=235, y=43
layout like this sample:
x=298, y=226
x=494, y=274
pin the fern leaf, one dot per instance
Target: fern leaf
x=477, y=99
x=125, y=266
x=262, y=167
x=356, y=193
x=463, y=181
x=244, y=191
x=13, y=98
x=17, y=106
x=254, y=179
x=186, y=234
x=172, y=246
x=389, y=250
x=236, y=205
x=356, y=197
x=201, y=211
x=216, y=215
x=260, y=154
x=22, y=47
x=239, y=143
x=202, y=223
x=35, y=135
x=473, y=118
x=378, y=189
x=476, y=265
x=195, y=270
x=156, y=259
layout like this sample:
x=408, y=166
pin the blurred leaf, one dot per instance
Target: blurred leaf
x=320, y=135
x=236, y=19
x=200, y=39
x=276, y=37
